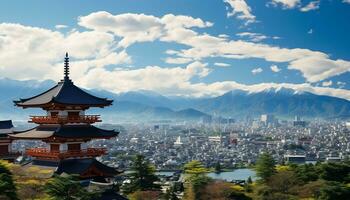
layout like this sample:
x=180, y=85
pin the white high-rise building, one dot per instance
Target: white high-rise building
x=267, y=119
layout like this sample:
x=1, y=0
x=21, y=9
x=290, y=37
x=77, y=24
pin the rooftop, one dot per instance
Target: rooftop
x=64, y=93
x=64, y=131
x=86, y=165
x=6, y=124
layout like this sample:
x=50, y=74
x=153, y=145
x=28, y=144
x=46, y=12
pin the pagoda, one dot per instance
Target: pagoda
x=6, y=153
x=66, y=129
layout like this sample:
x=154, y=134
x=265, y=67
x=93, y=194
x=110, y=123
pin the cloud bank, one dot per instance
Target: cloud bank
x=99, y=53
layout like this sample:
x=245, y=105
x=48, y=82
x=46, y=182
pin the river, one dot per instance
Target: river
x=237, y=174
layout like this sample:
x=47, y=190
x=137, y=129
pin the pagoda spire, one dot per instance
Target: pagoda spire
x=66, y=67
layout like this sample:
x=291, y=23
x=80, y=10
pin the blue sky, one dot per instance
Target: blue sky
x=181, y=47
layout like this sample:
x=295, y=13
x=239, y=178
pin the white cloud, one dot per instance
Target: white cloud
x=61, y=26
x=224, y=36
x=291, y=4
x=241, y=10
x=171, y=52
x=169, y=81
x=177, y=82
x=286, y=4
x=131, y=27
x=275, y=68
x=327, y=83
x=255, y=37
x=138, y=27
x=171, y=28
x=313, y=5
x=221, y=64
x=257, y=70
x=346, y=1
x=341, y=84
x=36, y=53
x=304, y=60
x=177, y=60
x=325, y=67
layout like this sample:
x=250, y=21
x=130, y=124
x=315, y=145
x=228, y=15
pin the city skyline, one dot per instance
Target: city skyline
x=182, y=48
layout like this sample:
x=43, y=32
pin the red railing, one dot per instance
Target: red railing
x=90, y=119
x=58, y=155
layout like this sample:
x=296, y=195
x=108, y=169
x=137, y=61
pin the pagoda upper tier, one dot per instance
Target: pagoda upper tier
x=64, y=94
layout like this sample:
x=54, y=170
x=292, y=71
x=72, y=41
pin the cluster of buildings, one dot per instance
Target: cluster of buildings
x=170, y=146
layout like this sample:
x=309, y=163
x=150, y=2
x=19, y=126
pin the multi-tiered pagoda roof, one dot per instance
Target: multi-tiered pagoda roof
x=64, y=93
x=65, y=128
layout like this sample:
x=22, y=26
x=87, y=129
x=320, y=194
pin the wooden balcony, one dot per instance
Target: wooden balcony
x=88, y=119
x=59, y=155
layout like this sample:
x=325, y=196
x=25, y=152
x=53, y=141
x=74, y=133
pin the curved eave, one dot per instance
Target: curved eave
x=64, y=93
x=14, y=137
x=30, y=135
x=33, y=97
x=114, y=134
x=59, y=132
x=47, y=104
x=82, y=138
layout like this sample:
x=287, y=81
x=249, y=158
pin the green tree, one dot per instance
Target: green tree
x=282, y=182
x=249, y=180
x=265, y=167
x=265, y=193
x=67, y=188
x=307, y=172
x=248, y=184
x=218, y=167
x=339, y=172
x=142, y=177
x=7, y=186
x=334, y=190
x=220, y=190
x=195, y=167
x=196, y=179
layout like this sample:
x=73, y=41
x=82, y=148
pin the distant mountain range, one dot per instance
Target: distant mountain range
x=148, y=106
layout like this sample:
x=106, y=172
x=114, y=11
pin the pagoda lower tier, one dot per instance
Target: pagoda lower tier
x=64, y=141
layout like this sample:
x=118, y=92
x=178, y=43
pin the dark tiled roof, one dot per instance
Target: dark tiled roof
x=79, y=166
x=110, y=195
x=6, y=124
x=65, y=92
x=64, y=131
